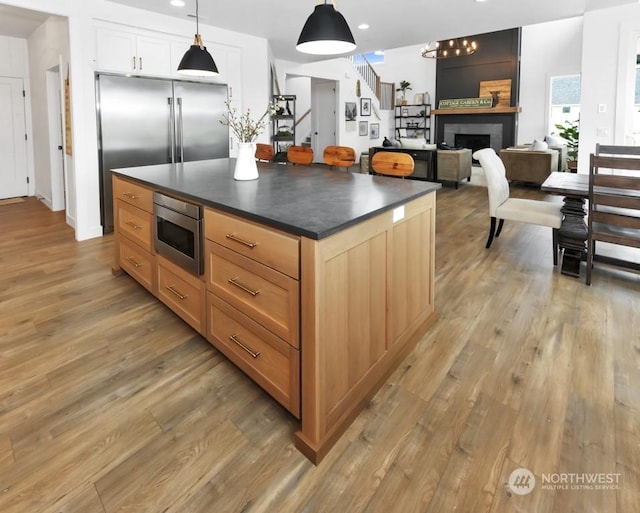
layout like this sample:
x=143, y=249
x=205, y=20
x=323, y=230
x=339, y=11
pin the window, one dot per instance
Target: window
x=565, y=100
x=376, y=57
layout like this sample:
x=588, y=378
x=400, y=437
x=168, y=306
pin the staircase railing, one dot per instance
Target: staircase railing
x=363, y=66
x=382, y=90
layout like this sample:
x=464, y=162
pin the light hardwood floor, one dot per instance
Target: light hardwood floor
x=109, y=403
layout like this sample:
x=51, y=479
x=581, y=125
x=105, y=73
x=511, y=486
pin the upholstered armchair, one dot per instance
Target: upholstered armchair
x=525, y=165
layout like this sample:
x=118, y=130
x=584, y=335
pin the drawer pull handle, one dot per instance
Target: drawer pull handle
x=234, y=281
x=175, y=292
x=130, y=195
x=233, y=237
x=234, y=338
x=133, y=262
x=133, y=225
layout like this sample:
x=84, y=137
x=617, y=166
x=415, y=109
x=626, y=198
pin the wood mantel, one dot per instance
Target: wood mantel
x=494, y=110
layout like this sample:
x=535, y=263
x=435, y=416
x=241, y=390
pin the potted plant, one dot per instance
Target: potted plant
x=404, y=86
x=570, y=132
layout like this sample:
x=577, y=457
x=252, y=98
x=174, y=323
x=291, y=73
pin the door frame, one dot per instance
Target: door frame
x=56, y=138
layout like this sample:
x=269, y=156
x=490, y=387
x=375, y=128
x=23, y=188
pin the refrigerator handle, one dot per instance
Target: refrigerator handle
x=172, y=131
x=180, y=133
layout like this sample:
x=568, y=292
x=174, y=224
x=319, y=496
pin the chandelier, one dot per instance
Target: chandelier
x=450, y=48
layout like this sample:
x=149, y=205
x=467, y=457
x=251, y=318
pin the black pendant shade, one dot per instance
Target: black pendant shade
x=197, y=60
x=325, y=33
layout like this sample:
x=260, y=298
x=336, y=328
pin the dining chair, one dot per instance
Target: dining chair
x=264, y=152
x=340, y=156
x=299, y=155
x=392, y=163
x=521, y=210
x=614, y=204
x=615, y=150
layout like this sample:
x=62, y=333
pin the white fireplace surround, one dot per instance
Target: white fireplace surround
x=493, y=130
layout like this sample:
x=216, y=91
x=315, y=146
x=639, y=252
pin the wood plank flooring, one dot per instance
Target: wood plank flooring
x=109, y=403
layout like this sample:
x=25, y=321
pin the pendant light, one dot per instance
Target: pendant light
x=197, y=60
x=326, y=32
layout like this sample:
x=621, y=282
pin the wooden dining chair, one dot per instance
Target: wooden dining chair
x=340, y=156
x=299, y=155
x=392, y=163
x=264, y=152
x=614, y=204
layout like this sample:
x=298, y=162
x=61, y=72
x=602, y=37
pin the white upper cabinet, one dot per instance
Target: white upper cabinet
x=123, y=49
x=119, y=49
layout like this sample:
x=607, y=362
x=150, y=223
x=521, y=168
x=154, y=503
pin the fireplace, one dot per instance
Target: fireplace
x=472, y=141
x=474, y=135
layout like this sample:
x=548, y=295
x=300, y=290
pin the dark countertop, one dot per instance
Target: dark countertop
x=313, y=202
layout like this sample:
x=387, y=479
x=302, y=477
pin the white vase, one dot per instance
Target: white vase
x=246, y=168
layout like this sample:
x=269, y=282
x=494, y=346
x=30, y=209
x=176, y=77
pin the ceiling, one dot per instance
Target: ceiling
x=392, y=25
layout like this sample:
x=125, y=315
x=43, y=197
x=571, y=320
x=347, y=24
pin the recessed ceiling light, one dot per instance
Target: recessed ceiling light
x=363, y=26
x=481, y=0
x=177, y=3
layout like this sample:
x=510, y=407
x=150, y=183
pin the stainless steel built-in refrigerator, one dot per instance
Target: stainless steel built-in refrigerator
x=144, y=121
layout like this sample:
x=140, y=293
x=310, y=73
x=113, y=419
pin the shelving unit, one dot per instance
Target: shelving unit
x=283, y=128
x=415, y=119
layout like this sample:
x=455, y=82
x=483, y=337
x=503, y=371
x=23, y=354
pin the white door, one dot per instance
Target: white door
x=13, y=146
x=323, y=117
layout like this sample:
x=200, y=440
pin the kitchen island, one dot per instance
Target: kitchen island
x=316, y=283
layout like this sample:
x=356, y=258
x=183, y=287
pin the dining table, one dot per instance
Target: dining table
x=572, y=235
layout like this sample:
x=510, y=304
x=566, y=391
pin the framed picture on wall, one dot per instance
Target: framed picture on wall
x=365, y=106
x=363, y=128
x=374, y=132
x=350, y=111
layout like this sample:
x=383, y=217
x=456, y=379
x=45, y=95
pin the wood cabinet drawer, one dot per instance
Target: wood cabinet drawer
x=182, y=292
x=133, y=194
x=267, y=296
x=137, y=263
x=135, y=224
x=273, y=248
x=268, y=360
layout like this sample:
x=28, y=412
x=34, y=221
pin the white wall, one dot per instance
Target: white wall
x=301, y=87
x=400, y=64
x=406, y=63
x=548, y=49
x=608, y=53
x=84, y=177
x=46, y=44
x=341, y=71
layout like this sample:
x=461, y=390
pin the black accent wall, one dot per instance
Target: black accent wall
x=497, y=58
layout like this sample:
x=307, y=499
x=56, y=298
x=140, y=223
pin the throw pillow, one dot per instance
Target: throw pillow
x=555, y=140
x=413, y=144
x=539, y=145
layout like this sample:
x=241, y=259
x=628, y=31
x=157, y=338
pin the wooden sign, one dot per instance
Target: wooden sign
x=498, y=90
x=465, y=103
